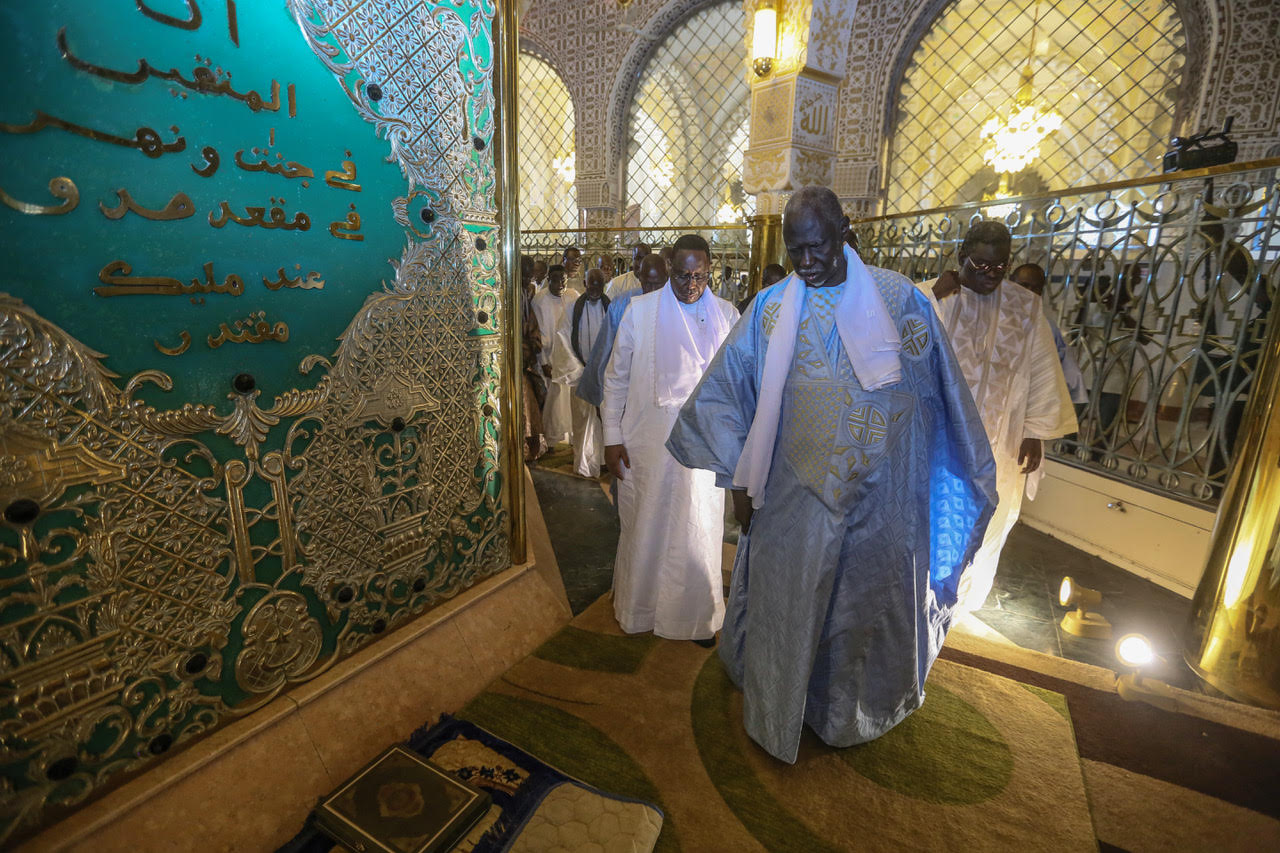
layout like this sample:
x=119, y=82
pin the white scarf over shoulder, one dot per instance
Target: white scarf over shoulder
x=870, y=339
x=684, y=346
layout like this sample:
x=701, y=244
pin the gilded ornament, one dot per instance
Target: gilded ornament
x=182, y=557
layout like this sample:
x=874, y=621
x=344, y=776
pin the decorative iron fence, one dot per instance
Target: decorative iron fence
x=1162, y=289
x=730, y=250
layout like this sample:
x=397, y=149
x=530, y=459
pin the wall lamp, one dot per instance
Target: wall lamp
x=764, y=37
x=1081, y=622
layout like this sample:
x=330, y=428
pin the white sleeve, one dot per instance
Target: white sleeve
x=1050, y=413
x=544, y=314
x=617, y=380
x=565, y=367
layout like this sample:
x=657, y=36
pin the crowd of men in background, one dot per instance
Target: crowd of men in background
x=875, y=436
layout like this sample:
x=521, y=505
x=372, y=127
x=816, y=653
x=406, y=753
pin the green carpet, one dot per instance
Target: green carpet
x=987, y=763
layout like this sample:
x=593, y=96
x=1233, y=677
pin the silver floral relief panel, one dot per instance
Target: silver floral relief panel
x=167, y=568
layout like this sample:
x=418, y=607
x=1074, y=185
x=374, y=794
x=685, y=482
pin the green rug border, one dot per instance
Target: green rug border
x=588, y=650
x=766, y=819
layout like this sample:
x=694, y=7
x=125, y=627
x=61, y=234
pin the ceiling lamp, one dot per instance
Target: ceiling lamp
x=1012, y=141
x=564, y=167
x=729, y=213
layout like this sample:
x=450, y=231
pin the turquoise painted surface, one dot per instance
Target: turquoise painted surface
x=53, y=262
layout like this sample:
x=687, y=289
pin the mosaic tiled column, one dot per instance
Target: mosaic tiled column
x=793, y=107
x=595, y=207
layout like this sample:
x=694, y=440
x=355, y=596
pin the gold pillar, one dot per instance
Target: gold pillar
x=1233, y=638
x=505, y=51
x=766, y=247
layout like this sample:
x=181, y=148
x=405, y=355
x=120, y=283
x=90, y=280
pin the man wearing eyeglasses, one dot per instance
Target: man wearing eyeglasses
x=666, y=578
x=1006, y=350
x=862, y=479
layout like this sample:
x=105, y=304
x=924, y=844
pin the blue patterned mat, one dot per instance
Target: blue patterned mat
x=535, y=806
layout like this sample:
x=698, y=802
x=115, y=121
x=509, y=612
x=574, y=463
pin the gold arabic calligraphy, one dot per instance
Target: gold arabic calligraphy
x=60, y=187
x=179, y=207
x=254, y=329
x=118, y=280
x=202, y=79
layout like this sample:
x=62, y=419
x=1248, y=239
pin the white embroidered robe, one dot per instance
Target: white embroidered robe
x=557, y=415
x=566, y=370
x=1006, y=350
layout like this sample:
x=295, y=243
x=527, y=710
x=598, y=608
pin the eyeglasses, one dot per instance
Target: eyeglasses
x=987, y=268
x=685, y=278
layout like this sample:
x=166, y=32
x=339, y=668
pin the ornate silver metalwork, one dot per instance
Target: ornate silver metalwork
x=1111, y=69
x=730, y=249
x=688, y=124
x=1162, y=289
x=546, y=128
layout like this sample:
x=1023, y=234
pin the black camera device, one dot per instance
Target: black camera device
x=1203, y=149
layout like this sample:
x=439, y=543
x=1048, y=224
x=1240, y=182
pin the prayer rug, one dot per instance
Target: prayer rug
x=988, y=763
x=535, y=806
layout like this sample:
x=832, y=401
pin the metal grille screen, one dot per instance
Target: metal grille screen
x=546, y=147
x=1109, y=67
x=688, y=125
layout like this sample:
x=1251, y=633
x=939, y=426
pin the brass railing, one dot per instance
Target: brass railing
x=730, y=249
x=1162, y=288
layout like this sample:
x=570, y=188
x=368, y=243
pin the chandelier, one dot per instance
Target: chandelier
x=1013, y=141
x=729, y=212
x=564, y=167
x=663, y=171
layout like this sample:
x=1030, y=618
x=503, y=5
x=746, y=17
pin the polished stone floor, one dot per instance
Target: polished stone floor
x=584, y=533
x=1023, y=605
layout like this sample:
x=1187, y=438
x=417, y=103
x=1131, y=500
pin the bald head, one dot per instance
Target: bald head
x=638, y=253
x=652, y=273
x=813, y=227
x=815, y=201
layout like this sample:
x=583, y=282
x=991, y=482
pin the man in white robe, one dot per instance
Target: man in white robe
x=630, y=279
x=1007, y=354
x=1032, y=277
x=666, y=578
x=549, y=307
x=573, y=274
x=583, y=321
x=540, y=269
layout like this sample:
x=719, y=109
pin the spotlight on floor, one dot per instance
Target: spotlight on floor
x=1134, y=652
x=1081, y=622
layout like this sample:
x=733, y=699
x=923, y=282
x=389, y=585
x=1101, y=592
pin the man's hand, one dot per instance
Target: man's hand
x=742, y=509
x=615, y=456
x=1030, y=454
x=947, y=284
x=546, y=370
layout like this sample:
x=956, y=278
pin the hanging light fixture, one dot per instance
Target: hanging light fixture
x=728, y=212
x=1013, y=141
x=564, y=167
x=664, y=172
